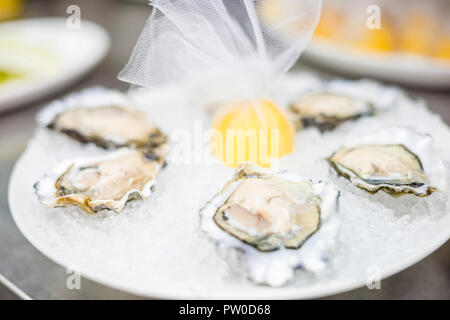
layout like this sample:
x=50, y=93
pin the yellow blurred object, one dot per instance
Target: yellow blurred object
x=414, y=30
x=7, y=76
x=443, y=49
x=252, y=132
x=377, y=39
x=10, y=9
x=271, y=10
x=417, y=34
x=329, y=24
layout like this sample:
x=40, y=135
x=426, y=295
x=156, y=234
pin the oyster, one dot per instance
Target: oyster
x=94, y=184
x=274, y=219
x=395, y=168
x=270, y=213
x=391, y=168
x=326, y=110
x=110, y=124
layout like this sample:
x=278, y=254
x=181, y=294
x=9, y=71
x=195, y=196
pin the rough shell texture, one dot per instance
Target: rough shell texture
x=94, y=184
x=277, y=267
x=106, y=118
x=269, y=213
x=327, y=110
x=397, y=160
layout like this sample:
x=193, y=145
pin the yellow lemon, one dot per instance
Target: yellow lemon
x=254, y=132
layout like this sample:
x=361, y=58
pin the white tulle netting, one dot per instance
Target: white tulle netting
x=240, y=46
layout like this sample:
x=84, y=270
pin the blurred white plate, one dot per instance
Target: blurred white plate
x=47, y=56
x=395, y=67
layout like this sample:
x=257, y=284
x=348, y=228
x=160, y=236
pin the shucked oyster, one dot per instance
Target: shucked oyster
x=326, y=110
x=110, y=123
x=394, y=167
x=276, y=219
x=270, y=213
x=391, y=168
x=94, y=184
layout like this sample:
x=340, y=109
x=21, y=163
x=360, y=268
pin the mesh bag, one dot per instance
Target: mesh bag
x=232, y=48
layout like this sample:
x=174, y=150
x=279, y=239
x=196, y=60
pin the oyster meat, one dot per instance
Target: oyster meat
x=110, y=123
x=94, y=184
x=326, y=110
x=270, y=213
x=272, y=217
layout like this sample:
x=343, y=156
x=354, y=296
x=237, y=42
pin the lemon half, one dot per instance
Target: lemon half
x=252, y=132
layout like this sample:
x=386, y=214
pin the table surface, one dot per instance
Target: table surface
x=26, y=273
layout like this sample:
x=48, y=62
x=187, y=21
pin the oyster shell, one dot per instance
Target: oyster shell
x=111, y=123
x=265, y=213
x=326, y=110
x=278, y=220
x=94, y=184
x=396, y=168
x=391, y=168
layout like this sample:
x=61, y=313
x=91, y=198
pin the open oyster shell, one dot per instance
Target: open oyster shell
x=397, y=161
x=327, y=104
x=326, y=110
x=94, y=184
x=281, y=222
x=105, y=118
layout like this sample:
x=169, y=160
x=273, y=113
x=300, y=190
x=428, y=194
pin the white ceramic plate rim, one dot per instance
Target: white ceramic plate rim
x=265, y=293
x=398, y=67
x=35, y=90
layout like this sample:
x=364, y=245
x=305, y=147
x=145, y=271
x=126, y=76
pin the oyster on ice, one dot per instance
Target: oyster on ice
x=277, y=220
x=107, y=120
x=326, y=110
x=94, y=184
x=397, y=168
x=270, y=213
x=391, y=168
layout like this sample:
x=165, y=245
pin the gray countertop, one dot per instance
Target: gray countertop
x=24, y=272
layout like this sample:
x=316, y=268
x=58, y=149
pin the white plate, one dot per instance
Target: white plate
x=130, y=251
x=48, y=54
x=21, y=210
x=395, y=67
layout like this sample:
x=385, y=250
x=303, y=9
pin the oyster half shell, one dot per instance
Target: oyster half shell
x=277, y=220
x=391, y=168
x=326, y=110
x=94, y=184
x=407, y=165
x=270, y=213
x=108, y=121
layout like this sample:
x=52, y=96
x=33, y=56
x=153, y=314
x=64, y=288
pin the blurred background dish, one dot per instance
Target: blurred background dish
x=42, y=55
x=10, y=9
x=401, y=41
